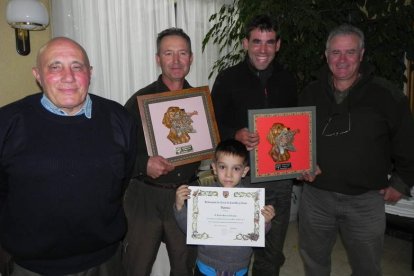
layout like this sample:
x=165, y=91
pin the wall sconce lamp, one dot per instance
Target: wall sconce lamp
x=25, y=16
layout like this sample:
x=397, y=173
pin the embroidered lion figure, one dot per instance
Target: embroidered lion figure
x=180, y=124
x=281, y=138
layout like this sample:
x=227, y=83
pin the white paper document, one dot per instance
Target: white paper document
x=226, y=216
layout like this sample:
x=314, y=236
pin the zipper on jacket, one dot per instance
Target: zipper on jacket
x=264, y=83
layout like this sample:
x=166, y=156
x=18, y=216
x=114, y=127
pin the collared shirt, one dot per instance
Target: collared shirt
x=341, y=95
x=264, y=74
x=85, y=110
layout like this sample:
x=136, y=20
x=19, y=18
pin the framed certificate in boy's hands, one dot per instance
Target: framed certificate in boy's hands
x=226, y=216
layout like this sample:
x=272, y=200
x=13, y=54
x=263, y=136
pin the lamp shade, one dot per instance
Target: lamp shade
x=27, y=14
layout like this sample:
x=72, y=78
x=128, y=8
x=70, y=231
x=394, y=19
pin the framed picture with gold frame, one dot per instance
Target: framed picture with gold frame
x=179, y=125
x=287, y=145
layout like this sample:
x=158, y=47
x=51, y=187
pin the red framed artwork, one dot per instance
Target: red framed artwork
x=287, y=145
x=179, y=125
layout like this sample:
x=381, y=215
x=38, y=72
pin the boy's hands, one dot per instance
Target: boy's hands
x=181, y=195
x=268, y=212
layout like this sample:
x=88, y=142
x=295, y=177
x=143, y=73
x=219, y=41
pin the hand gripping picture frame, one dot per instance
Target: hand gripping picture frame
x=179, y=125
x=287, y=146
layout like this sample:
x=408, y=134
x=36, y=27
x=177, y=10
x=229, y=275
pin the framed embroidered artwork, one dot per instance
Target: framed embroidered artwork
x=287, y=145
x=179, y=125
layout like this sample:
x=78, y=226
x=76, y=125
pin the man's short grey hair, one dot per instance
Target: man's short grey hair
x=173, y=31
x=346, y=29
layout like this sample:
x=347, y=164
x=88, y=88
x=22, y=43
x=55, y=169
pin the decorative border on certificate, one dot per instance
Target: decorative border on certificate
x=287, y=145
x=179, y=125
x=225, y=216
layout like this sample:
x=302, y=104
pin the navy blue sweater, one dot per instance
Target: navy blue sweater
x=61, y=184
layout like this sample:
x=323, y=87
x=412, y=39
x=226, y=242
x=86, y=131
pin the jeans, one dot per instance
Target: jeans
x=360, y=221
x=268, y=260
x=151, y=220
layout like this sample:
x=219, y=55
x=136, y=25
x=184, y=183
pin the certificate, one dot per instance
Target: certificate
x=226, y=216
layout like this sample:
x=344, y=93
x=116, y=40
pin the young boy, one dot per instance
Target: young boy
x=229, y=166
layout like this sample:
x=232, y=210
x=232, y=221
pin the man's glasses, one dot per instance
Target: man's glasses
x=337, y=124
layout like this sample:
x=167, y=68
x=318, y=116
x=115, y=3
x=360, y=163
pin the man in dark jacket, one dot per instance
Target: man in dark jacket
x=255, y=83
x=365, y=134
x=151, y=193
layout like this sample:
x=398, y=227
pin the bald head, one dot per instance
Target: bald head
x=59, y=41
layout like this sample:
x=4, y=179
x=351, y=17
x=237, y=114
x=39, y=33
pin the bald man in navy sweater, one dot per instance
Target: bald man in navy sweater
x=65, y=158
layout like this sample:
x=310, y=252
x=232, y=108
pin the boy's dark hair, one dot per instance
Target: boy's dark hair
x=232, y=147
x=173, y=31
x=263, y=22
